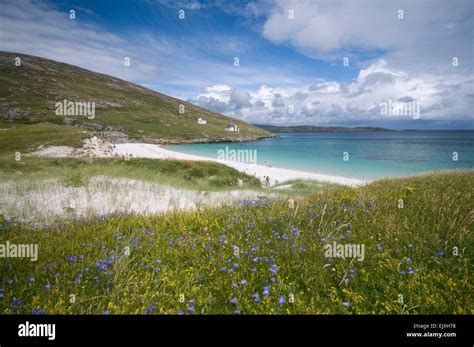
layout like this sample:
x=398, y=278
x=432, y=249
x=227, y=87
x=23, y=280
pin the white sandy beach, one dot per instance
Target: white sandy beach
x=277, y=175
x=95, y=147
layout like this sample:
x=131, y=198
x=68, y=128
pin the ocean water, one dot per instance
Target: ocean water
x=371, y=155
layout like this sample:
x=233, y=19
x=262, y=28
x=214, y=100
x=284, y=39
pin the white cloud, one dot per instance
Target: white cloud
x=425, y=40
x=330, y=102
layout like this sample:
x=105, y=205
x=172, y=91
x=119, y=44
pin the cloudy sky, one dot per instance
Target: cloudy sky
x=316, y=62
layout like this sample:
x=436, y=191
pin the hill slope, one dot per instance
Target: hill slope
x=28, y=94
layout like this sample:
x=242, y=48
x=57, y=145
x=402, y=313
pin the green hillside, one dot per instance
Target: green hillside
x=28, y=94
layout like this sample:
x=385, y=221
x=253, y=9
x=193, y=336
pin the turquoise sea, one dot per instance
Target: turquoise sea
x=372, y=155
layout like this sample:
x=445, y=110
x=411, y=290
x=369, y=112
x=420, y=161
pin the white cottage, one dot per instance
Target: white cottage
x=202, y=121
x=232, y=127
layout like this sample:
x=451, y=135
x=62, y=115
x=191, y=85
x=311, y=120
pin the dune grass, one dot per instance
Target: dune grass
x=177, y=173
x=259, y=256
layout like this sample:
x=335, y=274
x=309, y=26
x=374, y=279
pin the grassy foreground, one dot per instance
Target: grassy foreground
x=260, y=257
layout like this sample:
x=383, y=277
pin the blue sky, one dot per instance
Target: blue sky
x=291, y=54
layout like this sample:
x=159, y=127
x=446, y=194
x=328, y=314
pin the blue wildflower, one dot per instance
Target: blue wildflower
x=48, y=286
x=31, y=278
x=38, y=311
x=2, y=292
x=408, y=260
x=255, y=297
x=345, y=303
x=191, y=309
x=266, y=290
x=151, y=308
x=106, y=312
x=410, y=271
x=233, y=301
x=237, y=312
x=281, y=300
x=16, y=303
x=379, y=247
x=10, y=281
x=274, y=269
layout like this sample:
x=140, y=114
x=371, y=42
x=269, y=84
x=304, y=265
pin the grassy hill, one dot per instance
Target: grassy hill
x=262, y=256
x=315, y=129
x=28, y=94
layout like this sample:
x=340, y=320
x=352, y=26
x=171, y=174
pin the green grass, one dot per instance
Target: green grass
x=299, y=187
x=176, y=173
x=182, y=255
x=6, y=125
x=26, y=138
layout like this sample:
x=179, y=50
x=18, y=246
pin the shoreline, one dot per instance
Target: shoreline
x=276, y=175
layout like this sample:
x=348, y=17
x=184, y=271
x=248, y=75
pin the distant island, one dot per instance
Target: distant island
x=315, y=129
